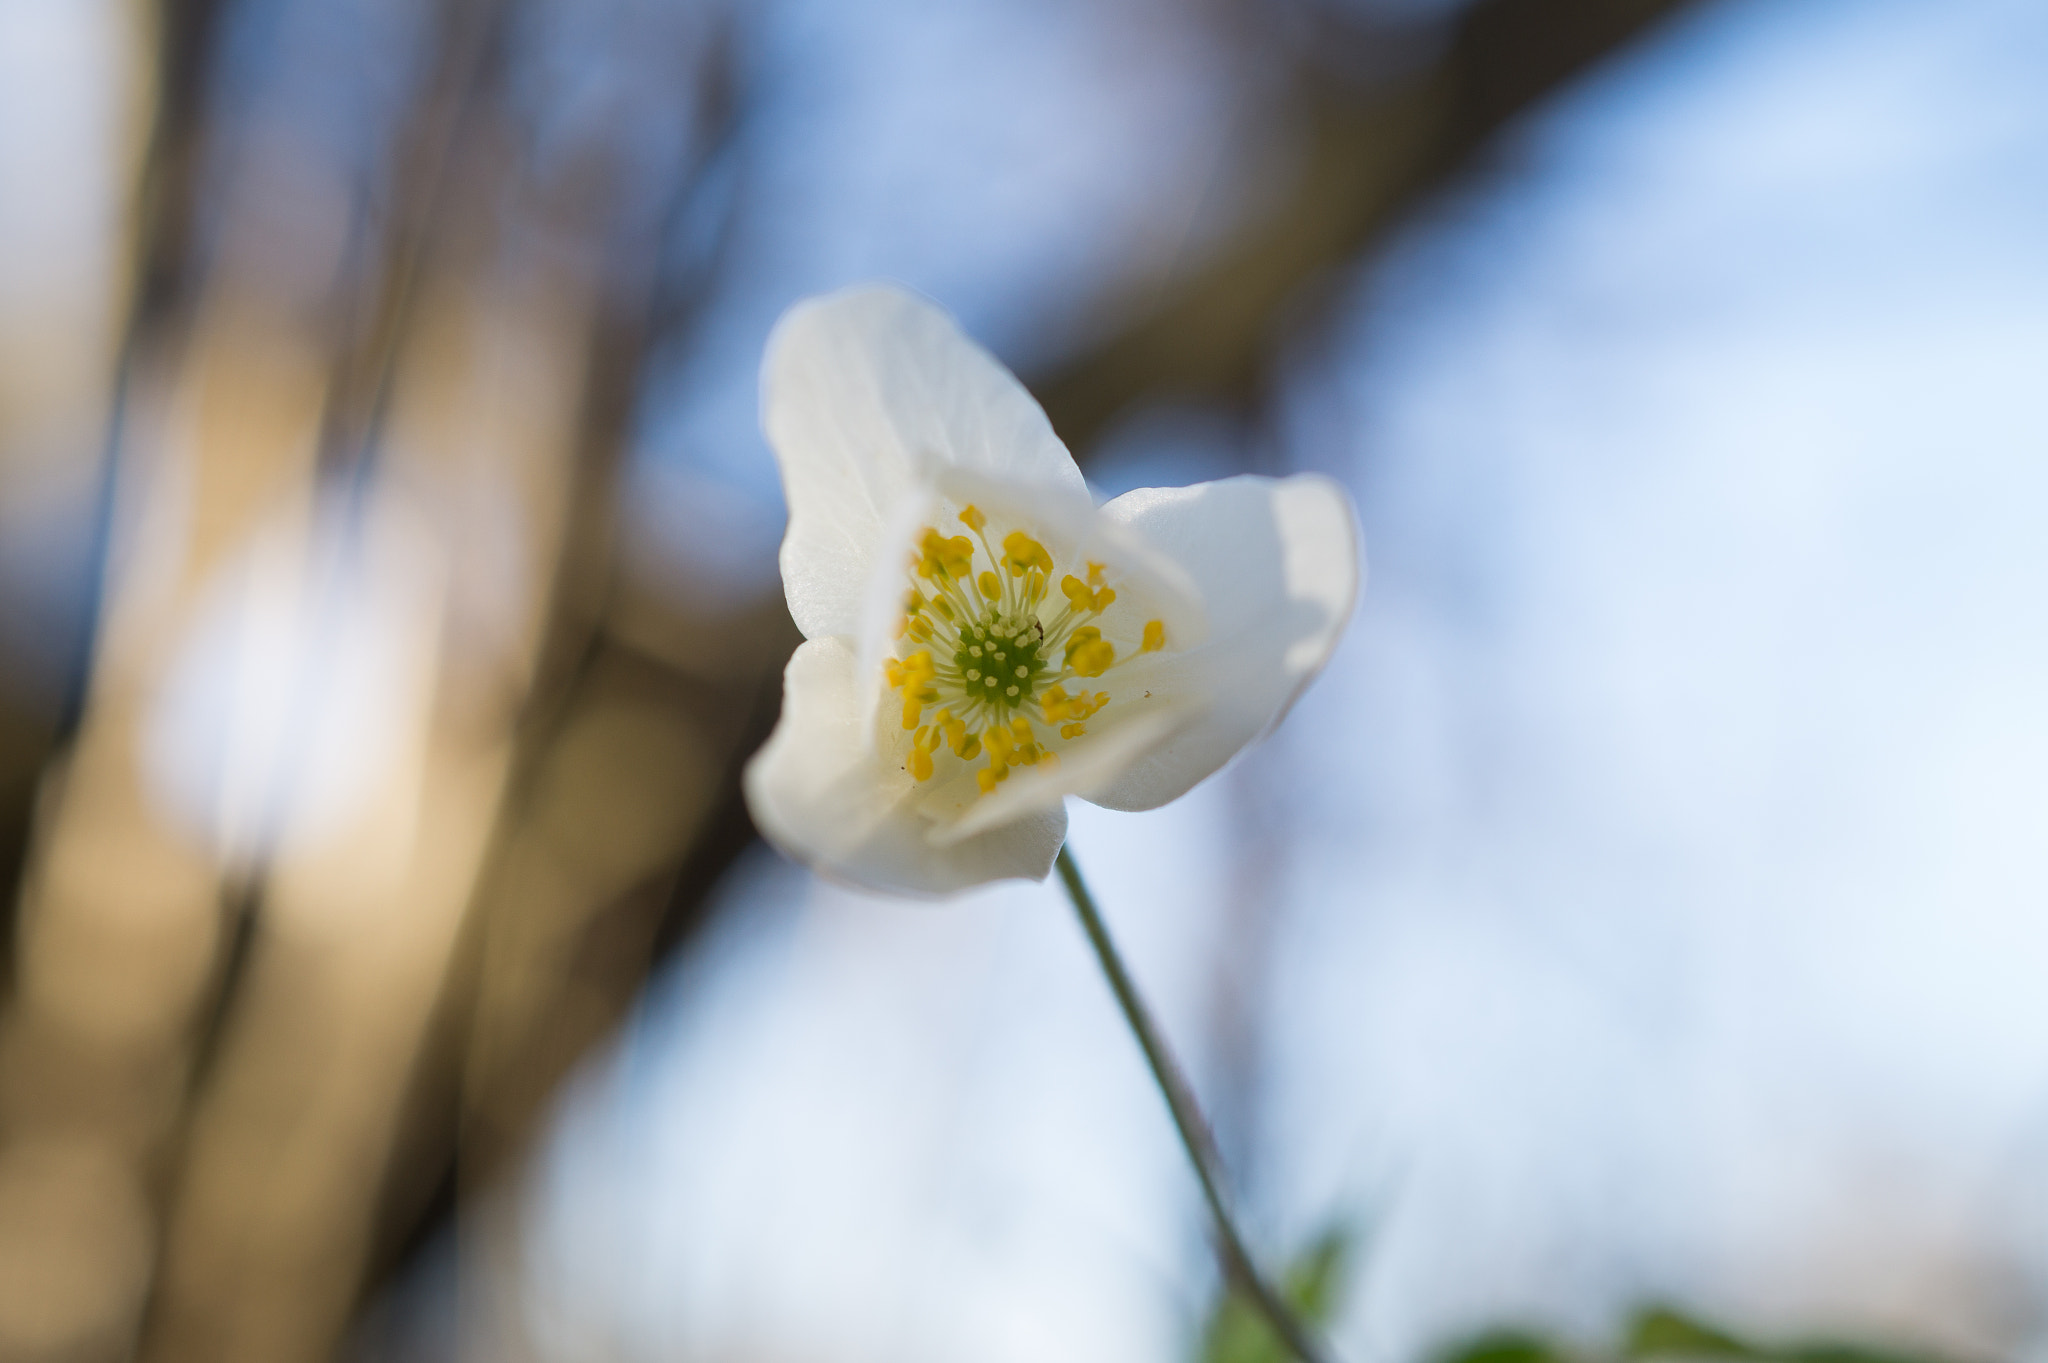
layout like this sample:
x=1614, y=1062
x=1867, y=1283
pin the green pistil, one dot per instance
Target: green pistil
x=1001, y=662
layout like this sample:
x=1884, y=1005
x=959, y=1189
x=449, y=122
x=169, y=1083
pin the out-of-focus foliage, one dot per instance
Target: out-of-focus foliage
x=1665, y=1332
x=1236, y=1333
x=1668, y=1335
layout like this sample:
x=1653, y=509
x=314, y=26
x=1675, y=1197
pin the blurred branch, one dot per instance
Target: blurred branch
x=550, y=962
x=188, y=32
x=521, y=1042
x=1372, y=155
x=31, y=731
x=360, y=392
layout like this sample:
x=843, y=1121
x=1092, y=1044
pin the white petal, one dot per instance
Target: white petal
x=818, y=792
x=1277, y=562
x=1083, y=768
x=867, y=396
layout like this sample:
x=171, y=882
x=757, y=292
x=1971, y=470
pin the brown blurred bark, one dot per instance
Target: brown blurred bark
x=34, y=726
x=626, y=756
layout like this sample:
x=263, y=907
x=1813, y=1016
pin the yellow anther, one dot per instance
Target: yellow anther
x=999, y=743
x=1062, y=706
x=1155, y=636
x=920, y=764
x=944, y=608
x=1095, y=573
x=1103, y=597
x=991, y=586
x=1101, y=699
x=920, y=628
x=1087, y=634
x=1093, y=658
x=1077, y=592
x=987, y=777
x=967, y=749
x=971, y=517
x=1072, y=730
x=1021, y=553
x=913, y=601
x=913, y=675
x=945, y=558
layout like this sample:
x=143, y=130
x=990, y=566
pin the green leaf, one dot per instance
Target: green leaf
x=1829, y=1352
x=1237, y=1333
x=1506, y=1346
x=1660, y=1330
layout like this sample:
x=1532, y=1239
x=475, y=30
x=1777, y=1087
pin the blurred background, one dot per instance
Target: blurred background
x=1633, y=946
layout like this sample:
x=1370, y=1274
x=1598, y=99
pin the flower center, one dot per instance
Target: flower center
x=1001, y=667
x=994, y=649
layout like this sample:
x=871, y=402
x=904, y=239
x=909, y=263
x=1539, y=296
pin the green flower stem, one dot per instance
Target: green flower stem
x=1195, y=1136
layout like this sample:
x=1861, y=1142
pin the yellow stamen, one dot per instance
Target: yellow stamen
x=1155, y=636
x=971, y=517
x=1093, y=658
x=943, y=558
x=1021, y=552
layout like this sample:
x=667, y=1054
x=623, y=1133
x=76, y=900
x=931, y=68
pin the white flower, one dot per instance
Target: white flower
x=982, y=639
